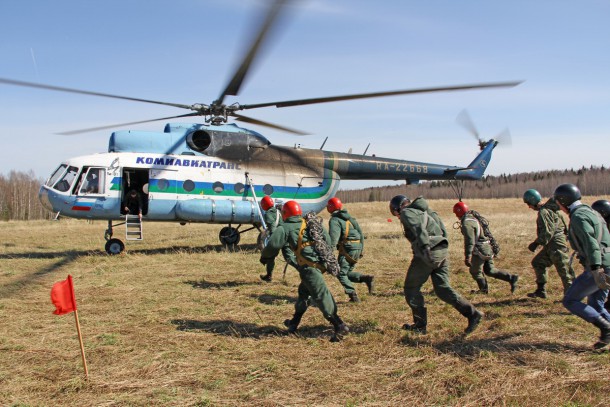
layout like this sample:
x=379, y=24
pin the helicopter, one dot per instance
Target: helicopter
x=215, y=171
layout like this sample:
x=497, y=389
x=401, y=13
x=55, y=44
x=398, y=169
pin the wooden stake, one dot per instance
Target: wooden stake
x=82, y=348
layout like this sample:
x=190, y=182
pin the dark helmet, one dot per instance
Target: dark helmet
x=532, y=197
x=291, y=208
x=603, y=207
x=566, y=194
x=334, y=204
x=460, y=209
x=266, y=202
x=396, y=203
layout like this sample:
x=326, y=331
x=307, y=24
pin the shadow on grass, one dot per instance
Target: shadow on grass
x=465, y=347
x=207, y=285
x=271, y=299
x=197, y=250
x=249, y=330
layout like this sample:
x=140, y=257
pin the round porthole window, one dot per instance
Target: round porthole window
x=218, y=187
x=239, y=188
x=162, y=184
x=268, y=189
x=188, y=185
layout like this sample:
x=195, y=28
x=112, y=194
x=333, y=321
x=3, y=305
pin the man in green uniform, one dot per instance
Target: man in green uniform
x=428, y=237
x=273, y=219
x=478, y=252
x=346, y=235
x=589, y=236
x=551, y=232
x=301, y=251
x=603, y=207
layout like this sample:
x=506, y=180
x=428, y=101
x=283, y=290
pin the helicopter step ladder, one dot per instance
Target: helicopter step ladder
x=133, y=227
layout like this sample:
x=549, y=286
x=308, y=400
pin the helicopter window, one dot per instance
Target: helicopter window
x=56, y=174
x=188, y=185
x=67, y=180
x=239, y=188
x=94, y=182
x=268, y=189
x=218, y=187
x=162, y=184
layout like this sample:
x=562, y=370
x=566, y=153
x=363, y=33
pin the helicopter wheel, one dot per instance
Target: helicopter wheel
x=114, y=246
x=229, y=236
x=261, y=240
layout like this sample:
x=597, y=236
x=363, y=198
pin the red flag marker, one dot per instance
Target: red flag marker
x=62, y=296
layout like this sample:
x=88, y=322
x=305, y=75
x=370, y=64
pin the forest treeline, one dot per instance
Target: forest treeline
x=591, y=181
x=19, y=190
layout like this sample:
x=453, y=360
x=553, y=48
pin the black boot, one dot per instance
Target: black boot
x=483, y=287
x=353, y=297
x=473, y=321
x=420, y=321
x=604, y=337
x=539, y=293
x=266, y=277
x=513, y=283
x=341, y=329
x=370, y=283
x=293, y=324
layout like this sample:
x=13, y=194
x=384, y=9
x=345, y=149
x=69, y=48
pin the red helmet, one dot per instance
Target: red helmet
x=266, y=203
x=334, y=204
x=291, y=208
x=460, y=209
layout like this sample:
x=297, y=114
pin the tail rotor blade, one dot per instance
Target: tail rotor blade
x=463, y=119
x=504, y=139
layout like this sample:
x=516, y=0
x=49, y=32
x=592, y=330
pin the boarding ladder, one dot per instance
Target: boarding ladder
x=133, y=227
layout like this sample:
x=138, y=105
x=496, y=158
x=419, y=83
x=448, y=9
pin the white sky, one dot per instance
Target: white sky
x=183, y=51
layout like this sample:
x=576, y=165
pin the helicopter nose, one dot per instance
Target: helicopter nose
x=43, y=196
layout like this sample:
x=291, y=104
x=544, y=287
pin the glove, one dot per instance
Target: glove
x=601, y=279
x=532, y=247
x=467, y=261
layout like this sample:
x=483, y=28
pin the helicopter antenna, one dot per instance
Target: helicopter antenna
x=366, y=149
x=458, y=188
x=322, y=146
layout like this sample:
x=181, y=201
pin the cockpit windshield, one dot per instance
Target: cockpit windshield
x=56, y=174
x=67, y=180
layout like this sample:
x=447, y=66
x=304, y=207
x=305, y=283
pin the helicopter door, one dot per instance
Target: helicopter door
x=135, y=179
x=162, y=194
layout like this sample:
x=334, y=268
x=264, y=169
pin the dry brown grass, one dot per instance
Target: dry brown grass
x=179, y=321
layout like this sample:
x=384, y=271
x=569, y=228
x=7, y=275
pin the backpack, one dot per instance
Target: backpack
x=495, y=246
x=324, y=251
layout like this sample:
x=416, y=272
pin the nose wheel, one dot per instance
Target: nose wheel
x=114, y=246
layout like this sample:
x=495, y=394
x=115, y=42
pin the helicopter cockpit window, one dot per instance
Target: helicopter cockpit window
x=56, y=174
x=67, y=180
x=94, y=182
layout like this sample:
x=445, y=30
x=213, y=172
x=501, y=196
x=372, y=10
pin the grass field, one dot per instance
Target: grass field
x=177, y=320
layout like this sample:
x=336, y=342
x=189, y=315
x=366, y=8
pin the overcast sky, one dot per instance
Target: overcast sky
x=183, y=51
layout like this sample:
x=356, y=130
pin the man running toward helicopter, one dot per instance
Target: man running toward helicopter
x=551, y=235
x=478, y=250
x=273, y=219
x=346, y=235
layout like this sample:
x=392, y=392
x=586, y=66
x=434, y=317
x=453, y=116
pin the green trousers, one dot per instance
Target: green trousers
x=347, y=276
x=557, y=255
x=313, y=288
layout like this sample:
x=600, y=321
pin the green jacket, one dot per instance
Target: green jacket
x=337, y=225
x=422, y=226
x=273, y=219
x=550, y=225
x=288, y=234
x=589, y=236
x=474, y=237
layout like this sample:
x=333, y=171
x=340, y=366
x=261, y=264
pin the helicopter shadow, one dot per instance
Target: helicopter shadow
x=219, y=248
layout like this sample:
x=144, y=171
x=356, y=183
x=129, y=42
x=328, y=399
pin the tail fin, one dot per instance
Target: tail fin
x=477, y=167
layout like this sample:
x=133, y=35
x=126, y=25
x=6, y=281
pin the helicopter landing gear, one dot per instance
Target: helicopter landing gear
x=229, y=236
x=114, y=246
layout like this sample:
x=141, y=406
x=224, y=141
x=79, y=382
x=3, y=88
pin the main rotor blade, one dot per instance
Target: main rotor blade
x=72, y=132
x=267, y=124
x=299, y=102
x=86, y=92
x=241, y=72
